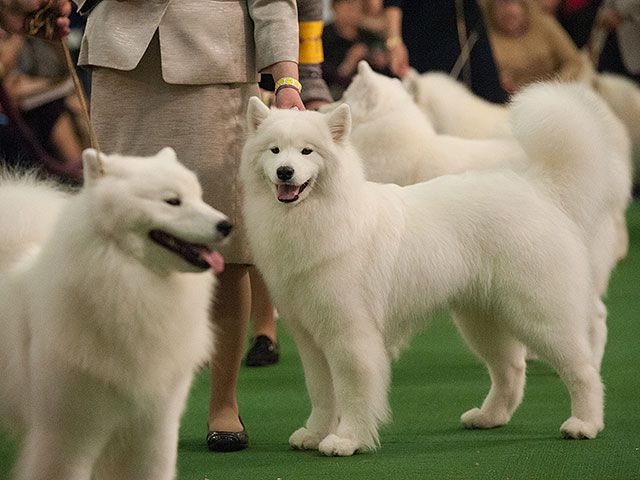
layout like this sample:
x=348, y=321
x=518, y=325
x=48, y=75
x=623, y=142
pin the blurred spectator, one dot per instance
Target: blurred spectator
x=345, y=43
x=620, y=22
x=449, y=37
x=529, y=44
x=372, y=18
x=39, y=116
x=576, y=16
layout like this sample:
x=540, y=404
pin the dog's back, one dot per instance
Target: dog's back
x=29, y=208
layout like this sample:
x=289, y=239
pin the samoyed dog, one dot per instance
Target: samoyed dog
x=105, y=296
x=355, y=266
x=397, y=142
x=623, y=96
x=453, y=108
x=398, y=145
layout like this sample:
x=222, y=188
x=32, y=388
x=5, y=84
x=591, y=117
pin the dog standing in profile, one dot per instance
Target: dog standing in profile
x=105, y=300
x=354, y=266
x=398, y=145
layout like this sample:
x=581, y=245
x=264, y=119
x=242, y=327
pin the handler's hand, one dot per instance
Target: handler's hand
x=13, y=14
x=399, y=60
x=289, y=98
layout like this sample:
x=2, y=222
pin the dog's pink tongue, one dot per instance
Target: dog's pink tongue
x=214, y=259
x=288, y=192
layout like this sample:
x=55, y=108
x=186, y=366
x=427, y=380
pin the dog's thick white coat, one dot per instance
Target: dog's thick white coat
x=397, y=142
x=398, y=145
x=453, y=108
x=356, y=267
x=102, y=328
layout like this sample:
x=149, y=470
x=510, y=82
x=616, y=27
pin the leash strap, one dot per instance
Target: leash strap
x=45, y=18
x=466, y=44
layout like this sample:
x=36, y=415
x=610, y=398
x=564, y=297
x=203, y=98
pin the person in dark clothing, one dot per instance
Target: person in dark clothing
x=345, y=43
x=430, y=35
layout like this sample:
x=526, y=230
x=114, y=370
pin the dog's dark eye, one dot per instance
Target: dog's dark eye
x=275, y=150
x=306, y=151
x=174, y=201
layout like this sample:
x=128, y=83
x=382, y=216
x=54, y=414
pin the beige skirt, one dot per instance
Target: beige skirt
x=137, y=113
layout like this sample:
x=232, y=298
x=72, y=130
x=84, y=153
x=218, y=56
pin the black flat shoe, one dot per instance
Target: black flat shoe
x=263, y=352
x=219, y=441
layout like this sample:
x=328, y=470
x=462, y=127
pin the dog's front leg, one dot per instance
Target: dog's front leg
x=146, y=447
x=360, y=369
x=324, y=418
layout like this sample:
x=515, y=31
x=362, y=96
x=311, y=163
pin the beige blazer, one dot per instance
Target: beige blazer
x=201, y=42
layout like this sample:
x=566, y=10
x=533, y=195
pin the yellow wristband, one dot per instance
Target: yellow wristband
x=311, y=42
x=288, y=82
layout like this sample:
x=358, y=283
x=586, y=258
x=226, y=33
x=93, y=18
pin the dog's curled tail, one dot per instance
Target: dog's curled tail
x=581, y=147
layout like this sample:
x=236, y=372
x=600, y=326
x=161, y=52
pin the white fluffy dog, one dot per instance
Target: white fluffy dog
x=623, y=96
x=453, y=108
x=355, y=266
x=398, y=144
x=104, y=319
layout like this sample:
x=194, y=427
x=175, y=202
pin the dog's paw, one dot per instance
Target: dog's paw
x=334, y=445
x=477, y=418
x=305, y=439
x=574, y=428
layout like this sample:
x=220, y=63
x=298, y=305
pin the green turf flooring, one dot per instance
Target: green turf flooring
x=435, y=381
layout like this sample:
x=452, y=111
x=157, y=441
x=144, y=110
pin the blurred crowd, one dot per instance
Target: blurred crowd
x=529, y=40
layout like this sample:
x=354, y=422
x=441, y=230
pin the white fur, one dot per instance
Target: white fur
x=398, y=144
x=453, y=108
x=356, y=267
x=101, y=329
x=623, y=96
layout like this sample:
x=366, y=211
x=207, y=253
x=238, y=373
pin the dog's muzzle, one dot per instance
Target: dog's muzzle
x=196, y=254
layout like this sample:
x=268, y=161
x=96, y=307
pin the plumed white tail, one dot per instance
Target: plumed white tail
x=581, y=146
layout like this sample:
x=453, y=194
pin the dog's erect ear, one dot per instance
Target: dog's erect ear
x=411, y=83
x=257, y=111
x=364, y=68
x=91, y=167
x=339, y=122
x=168, y=153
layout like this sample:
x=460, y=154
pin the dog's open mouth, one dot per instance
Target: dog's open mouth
x=196, y=254
x=290, y=193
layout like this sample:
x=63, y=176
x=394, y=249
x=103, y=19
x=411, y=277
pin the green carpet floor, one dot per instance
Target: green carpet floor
x=433, y=383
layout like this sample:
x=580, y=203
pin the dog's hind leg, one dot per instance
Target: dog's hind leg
x=324, y=416
x=360, y=368
x=571, y=357
x=504, y=357
x=599, y=333
x=562, y=338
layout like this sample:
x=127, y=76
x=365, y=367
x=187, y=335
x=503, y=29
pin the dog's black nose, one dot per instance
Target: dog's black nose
x=224, y=227
x=285, y=173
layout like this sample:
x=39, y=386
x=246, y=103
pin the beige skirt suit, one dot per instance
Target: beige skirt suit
x=179, y=73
